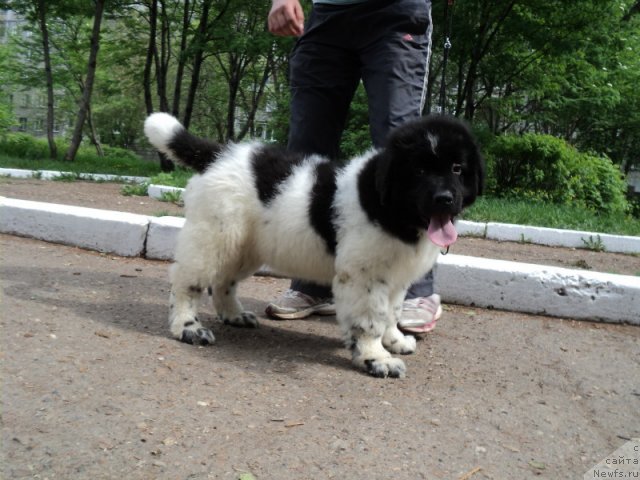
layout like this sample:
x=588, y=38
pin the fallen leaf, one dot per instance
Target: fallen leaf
x=537, y=465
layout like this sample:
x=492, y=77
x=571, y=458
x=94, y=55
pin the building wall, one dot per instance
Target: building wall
x=29, y=105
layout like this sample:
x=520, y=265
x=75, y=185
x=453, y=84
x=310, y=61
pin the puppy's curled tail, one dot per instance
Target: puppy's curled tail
x=168, y=136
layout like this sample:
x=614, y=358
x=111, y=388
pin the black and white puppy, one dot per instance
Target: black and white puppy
x=369, y=229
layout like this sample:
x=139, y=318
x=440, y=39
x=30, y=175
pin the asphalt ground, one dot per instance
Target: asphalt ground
x=93, y=387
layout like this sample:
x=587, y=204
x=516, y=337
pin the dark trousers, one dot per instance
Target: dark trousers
x=386, y=44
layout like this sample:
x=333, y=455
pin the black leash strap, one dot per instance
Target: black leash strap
x=448, y=19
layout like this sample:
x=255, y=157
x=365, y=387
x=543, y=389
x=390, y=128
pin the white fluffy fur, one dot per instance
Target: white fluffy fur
x=229, y=233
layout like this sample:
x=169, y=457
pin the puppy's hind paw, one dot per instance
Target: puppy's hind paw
x=386, y=367
x=244, y=320
x=198, y=336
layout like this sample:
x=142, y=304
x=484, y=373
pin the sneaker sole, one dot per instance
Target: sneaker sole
x=425, y=328
x=323, y=309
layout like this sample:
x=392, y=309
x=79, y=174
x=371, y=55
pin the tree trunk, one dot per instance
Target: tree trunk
x=42, y=19
x=200, y=42
x=93, y=136
x=166, y=165
x=182, y=59
x=151, y=53
x=85, y=100
x=162, y=61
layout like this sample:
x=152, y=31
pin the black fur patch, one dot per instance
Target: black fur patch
x=271, y=167
x=321, y=212
x=392, y=220
x=197, y=153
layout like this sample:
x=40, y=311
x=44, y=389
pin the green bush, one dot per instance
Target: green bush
x=22, y=145
x=546, y=168
x=178, y=178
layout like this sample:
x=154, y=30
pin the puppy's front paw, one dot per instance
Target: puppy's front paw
x=245, y=320
x=402, y=344
x=196, y=334
x=386, y=367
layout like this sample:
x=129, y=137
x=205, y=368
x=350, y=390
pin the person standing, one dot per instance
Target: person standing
x=386, y=45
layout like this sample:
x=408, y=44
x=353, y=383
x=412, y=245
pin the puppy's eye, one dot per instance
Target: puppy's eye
x=456, y=169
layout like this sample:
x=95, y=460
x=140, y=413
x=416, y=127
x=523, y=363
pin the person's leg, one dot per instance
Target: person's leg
x=395, y=74
x=324, y=75
x=395, y=64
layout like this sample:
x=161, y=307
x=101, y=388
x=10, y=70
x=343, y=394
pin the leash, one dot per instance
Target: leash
x=448, y=20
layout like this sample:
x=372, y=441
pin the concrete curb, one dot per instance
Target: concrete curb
x=52, y=174
x=162, y=236
x=463, y=280
x=552, y=237
x=158, y=191
x=102, y=230
x=562, y=238
x=539, y=289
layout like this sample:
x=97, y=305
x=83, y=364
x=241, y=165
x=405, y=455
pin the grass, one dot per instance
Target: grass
x=85, y=163
x=178, y=178
x=172, y=197
x=524, y=212
x=135, y=190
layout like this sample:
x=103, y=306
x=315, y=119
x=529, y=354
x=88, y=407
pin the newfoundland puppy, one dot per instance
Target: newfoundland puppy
x=369, y=228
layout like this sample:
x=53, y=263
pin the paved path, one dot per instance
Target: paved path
x=94, y=388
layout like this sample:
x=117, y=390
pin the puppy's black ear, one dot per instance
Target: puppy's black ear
x=384, y=173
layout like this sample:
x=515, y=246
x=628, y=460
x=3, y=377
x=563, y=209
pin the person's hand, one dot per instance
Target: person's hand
x=286, y=18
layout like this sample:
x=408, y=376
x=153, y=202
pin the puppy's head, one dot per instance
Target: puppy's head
x=431, y=168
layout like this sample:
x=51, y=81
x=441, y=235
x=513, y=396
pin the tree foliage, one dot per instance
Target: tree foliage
x=550, y=67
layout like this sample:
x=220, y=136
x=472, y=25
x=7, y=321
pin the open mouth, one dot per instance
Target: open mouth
x=441, y=230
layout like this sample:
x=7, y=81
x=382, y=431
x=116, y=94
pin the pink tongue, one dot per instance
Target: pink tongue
x=441, y=231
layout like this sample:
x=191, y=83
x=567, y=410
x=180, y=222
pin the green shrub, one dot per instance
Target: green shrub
x=546, y=168
x=22, y=145
x=178, y=178
x=135, y=189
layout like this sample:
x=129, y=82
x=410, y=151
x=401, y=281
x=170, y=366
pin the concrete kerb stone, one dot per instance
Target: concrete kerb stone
x=562, y=238
x=52, y=174
x=162, y=236
x=552, y=237
x=463, y=280
x=158, y=191
x=539, y=289
x=102, y=230
x=471, y=229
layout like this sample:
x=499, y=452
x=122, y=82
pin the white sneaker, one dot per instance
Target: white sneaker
x=420, y=315
x=294, y=305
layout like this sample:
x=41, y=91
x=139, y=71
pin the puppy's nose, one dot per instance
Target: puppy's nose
x=443, y=198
